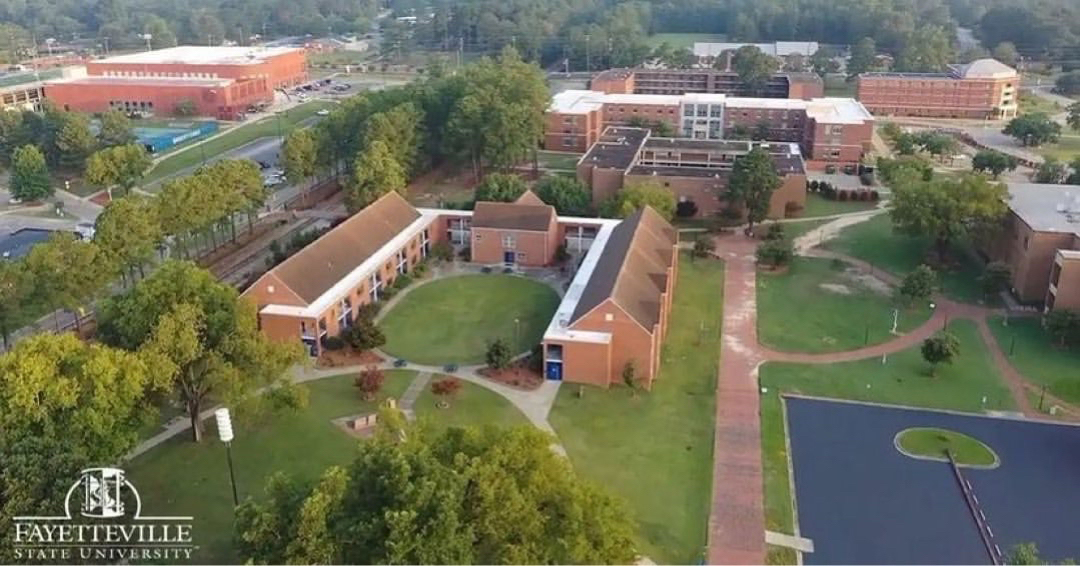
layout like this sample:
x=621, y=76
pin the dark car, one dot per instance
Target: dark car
x=263, y=164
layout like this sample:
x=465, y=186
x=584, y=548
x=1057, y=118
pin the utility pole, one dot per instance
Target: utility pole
x=106, y=38
x=460, y=48
x=588, y=60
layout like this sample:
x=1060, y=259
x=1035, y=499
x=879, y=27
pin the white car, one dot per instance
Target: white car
x=272, y=181
x=323, y=112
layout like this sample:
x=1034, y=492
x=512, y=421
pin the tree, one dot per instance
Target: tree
x=116, y=129
x=499, y=187
x=775, y=253
x=446, y=388
x=1033, y=130
x=462, y=496
x=375, y=173
x=15, y=288
x=675, y=57
x=200, y=335
x=499, y=354
x=973, y=54
x=401, y=129
x=945, y=209
x=128, y=231
x=120, y=166
x=1006, y=53
x=994, y=162
x=704, y=246
x=995, y=277
x=29, y=175
x=299, y=155
x=161, y=35
x=75, y=142
x=369, y=382
x=937, y=144
x=863, y=57
x=753, y=180
x=940, y=349
x=754, y=66
x=1063, y=327
x=927, y=49
x=69, y=272
x=1073, y=116
x=659, y=128
x=185, y=108
x=629, y=376
x=566, y=194
x=1068, y=83
x=686, y=209
x=65, y=405
x=364, y=335
x=824, y=62
x=918, y=285
x=636, y=196
x=1051, y=171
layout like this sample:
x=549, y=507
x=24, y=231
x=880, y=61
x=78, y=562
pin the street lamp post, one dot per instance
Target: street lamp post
x=147, y=37
x=225, y=433
x=517, y=333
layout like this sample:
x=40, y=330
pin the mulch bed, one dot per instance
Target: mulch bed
x=517, y=375
x=347, y=357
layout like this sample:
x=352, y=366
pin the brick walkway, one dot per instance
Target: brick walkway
x=737, y=515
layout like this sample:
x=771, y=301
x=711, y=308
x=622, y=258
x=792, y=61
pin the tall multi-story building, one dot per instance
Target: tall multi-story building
x=219, y=81
x=683, y=81
x=1040, y=243
x=694, y=170
x=985, y=89
x=829, y=130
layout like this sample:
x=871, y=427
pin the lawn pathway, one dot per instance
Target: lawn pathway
x=409, y=397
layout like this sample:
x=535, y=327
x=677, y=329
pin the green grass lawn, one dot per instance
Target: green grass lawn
x=903, y=380
x=183, y=478
x=1067, y=148
x=817, y=205
x=1036, y=356
x=874, y=241
x=839, y=86
x=1028, y=103
x=655, y=449
x=238, y=136
x=684, y=39
x=472, y=406
x=452, y=320
x=818, y=306
x=933, y=442
x=558, y=160
x=795, y=229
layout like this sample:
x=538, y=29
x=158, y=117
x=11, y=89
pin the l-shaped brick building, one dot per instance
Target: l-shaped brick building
x=613, y=312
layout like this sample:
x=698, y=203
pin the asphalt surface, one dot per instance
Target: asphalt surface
x=862, y=502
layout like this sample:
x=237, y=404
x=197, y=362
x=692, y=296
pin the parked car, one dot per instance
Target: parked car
x=323, y=112
x=263, y=165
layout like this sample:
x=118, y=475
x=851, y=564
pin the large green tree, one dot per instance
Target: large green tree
x=993, y=162
x=1033, y=129
x=375, y=173
x=75, y=142
x=299, y=154
x=200, y=334
x=750, y=188
x=461, y=496
x=637, y=196
x=128, y=230
x=68, y=272
x=116, y=129
x=119, y=166
x=567, y=195
x=15, y=289
x=946, y=209
x=863, y=57
x=499, y=187
x=29, y=174
x=927, y=49
x=754, y=66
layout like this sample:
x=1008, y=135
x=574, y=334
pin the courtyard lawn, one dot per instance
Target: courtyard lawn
x=684, y=39
x=874, y=241
x=234, y=138
x=817, y=205
x=558, y=160
x=839, y=86
x=472, y=406
x=933, y=442
x=655, y=449
x=795, y=229
x=180, y=477
x=822, y=306
x=1066, y=149
x=1028, y=103
x=1035, y=355
x=451, y=321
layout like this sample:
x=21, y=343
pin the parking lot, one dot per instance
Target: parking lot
x=862, y=502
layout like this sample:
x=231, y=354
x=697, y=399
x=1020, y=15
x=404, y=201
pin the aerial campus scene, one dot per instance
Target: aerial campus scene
x=540, y=282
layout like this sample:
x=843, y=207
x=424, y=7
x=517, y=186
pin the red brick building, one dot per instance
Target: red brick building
x=835, y=131
x=221, y=82
x=984, y=89
x=613, y=312
x=683, y=81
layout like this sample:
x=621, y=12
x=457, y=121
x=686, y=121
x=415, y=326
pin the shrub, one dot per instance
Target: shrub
x=686, y=209
x=446, y=388
x=842, y=195
x=830, y=169
x=420, y=270
x=940, y=349
x=369, y=382
x=508, y=270
x=866, y=178
x=775, y=232
x=561, y=255
x=442, y=251
x=485, y=269
x=704, y=246
x=813, y=186
x=874, y=195
x=917, y=285
x=364, y=335
x=775, y=253
x=498, y=354
x=367, y=311
x=465, y=254
x=333, y=343
x=388, y=293
x=402, y=281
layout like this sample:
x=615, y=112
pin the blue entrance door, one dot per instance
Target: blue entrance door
x=508, y=258
x=554, y=371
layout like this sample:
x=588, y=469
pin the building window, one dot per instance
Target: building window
x=568, y=142
x=376, y=284
x=509, y=242
x=402, y=263
x=425, y=243
x=520, y=257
